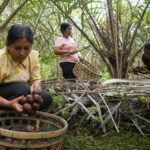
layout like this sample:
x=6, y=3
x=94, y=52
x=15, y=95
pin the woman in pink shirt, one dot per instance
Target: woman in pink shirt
x=66, y=47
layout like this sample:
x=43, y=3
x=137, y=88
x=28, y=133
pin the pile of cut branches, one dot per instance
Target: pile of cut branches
x=141, y=70
x=113, y=101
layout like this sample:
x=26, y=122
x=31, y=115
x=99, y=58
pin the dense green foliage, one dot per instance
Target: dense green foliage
x=90, y=17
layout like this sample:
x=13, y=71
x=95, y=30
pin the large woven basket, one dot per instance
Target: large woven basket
x=86, y=71
x=49, y=137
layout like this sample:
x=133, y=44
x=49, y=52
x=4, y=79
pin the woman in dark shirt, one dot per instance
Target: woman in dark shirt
x=146, y=55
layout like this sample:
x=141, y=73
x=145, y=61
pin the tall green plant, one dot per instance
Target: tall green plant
x=113, y=36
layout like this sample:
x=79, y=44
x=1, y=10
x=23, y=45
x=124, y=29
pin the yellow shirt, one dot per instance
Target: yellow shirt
x=12, y=71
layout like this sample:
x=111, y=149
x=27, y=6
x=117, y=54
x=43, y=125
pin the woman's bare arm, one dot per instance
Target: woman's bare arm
x=59, y=51
x=4, y=102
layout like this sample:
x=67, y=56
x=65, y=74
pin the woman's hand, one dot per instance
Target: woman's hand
x=14, y=104
x=35, y=85
x=145, y=70
x=73, y=51
x=81, y=59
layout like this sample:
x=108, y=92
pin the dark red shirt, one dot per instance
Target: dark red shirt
x=146, y=61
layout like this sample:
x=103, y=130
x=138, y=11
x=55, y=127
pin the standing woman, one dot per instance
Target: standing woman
x=66, y=47
x=19, y=65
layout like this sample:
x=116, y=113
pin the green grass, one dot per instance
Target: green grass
x=46, y=71
x=81, y=139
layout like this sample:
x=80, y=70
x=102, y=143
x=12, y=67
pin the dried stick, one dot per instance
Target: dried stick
x=75, y=109
x=74, y=112
x=99, y=111
x=143, y=75
x=125, y=81
x=58, y=112
x=146, y=120
x=77, y=99
x=136, y=125
x=109, y=111
x=112, y=110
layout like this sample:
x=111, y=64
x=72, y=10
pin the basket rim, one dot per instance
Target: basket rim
x=35, y=135
x=30, y=145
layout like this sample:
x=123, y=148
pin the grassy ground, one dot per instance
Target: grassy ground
x=82, y=136
x=81, y=139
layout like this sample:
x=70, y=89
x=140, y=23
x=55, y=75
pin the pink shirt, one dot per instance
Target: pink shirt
x=67, y=44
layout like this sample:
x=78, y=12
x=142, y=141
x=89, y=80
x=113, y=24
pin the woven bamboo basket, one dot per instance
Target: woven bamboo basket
x=49, y=137
x=86, y=71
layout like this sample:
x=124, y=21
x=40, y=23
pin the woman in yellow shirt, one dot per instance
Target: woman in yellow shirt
x=19, y=65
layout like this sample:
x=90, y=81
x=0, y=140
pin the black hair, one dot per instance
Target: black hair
x=64, y=26
x=147, y=45
x=18, y=32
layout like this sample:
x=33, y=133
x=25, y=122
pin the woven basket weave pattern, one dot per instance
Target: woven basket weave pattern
x=84, y=70
x=49, y=137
